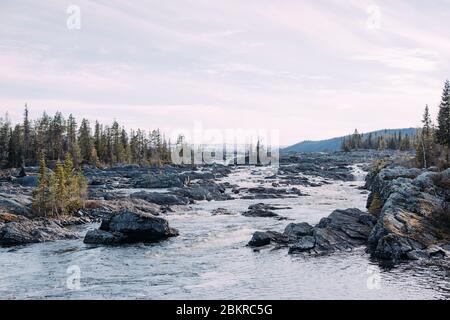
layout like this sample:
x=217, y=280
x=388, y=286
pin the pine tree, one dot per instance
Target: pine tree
x=26, y=136
x=15, y=147
x=57, y=131
x=5, y=129
x=61, y=188
x=94, y=158
x=443, y=121
x=72, y=142
x=85, y=141
x=40, y=194
x=424, y=147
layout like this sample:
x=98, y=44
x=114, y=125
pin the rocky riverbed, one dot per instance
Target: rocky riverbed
x=197, y=223
x=408, y=219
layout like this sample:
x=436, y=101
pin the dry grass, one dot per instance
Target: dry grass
x=7, y=217
x=93, y=204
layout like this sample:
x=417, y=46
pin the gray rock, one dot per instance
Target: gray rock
x=163, y=180
x=209, y=192
x=27, y=181
x=103, y=237
x=298, y=230
x=262, y=210
x=407, y=223
x=130, y=227
x=271, y=193
x=25, y=231
x=160, y=198
x=15, y=203
x=303, y=244
x=341, y=230
x=222, y=211
x=260, y=238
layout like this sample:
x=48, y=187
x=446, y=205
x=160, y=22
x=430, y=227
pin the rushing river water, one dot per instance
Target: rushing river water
x=210, y=260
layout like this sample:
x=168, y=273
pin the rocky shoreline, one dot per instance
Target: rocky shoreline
x=409, y=219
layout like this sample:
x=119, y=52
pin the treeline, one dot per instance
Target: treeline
x=433, y=143
x=393, y=141
x=97, y=144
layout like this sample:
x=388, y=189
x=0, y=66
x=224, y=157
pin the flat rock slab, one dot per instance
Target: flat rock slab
x=27, y=231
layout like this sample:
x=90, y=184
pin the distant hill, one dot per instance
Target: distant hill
x=334, y=144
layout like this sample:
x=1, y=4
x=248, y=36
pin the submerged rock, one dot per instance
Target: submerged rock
x=130, y=227
x=271, y=193
x=222, y=211
x=263, y=210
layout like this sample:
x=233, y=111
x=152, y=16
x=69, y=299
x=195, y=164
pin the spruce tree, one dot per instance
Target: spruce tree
x=94, y=158
x=60, y=188
x=40, y=194
x=85, y=141
x=424, y=148
x=5, y=128
x=15, y=147
x=26, y=136
x=443, y=120
x=72, y=141
x=57, y=132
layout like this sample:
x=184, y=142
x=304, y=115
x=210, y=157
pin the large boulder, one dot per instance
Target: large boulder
x=130, y=227
x=408, y=223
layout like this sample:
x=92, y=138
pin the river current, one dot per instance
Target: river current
x=210, y=260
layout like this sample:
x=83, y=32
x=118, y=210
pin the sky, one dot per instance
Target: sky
x=307, y=69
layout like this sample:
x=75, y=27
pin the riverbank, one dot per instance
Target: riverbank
x=408, y=218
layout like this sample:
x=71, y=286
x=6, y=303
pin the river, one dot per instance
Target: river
x=210, y=260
